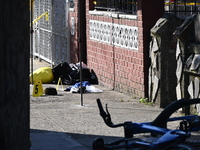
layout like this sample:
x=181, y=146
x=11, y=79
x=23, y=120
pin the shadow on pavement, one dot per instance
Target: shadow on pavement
x=51, y=140
x=87, y=140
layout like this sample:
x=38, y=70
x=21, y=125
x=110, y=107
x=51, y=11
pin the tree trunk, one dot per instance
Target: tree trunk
x=14, y=75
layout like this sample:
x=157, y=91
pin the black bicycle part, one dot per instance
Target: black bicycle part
x=184, y=126
x=98, y=144
x=194, y=122
x=136, y=144
x=160, y=121
x=162, y=118
x=180, y=146
x=106, y=116
x=128, y=127
x=191, y=125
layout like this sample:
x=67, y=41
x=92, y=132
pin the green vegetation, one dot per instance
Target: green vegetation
x=121, y=100
x=146, y=101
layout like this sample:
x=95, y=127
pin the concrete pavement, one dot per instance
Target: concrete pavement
x=61, y=123
x=48, y=140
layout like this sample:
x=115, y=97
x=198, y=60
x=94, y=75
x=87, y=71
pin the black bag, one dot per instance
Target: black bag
x=50, y=91
x=68, y=80
x=93, y=79
x=61, y=69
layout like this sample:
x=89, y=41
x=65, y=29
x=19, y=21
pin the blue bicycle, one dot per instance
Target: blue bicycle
x=160, y=137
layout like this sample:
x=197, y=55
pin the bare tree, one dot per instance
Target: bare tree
x=14, y=75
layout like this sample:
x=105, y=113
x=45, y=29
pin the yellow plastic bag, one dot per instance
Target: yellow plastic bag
x=43, y=74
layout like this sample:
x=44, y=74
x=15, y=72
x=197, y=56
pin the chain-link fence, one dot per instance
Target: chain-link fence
x=51, y=40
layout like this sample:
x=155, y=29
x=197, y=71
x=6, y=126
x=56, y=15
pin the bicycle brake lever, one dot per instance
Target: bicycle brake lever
x=105, y=115
x=108, y=117
x=102, y=112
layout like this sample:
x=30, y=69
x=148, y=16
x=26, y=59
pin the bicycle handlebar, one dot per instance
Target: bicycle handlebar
x=106, y=116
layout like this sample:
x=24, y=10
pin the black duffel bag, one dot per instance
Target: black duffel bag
x=60, y=70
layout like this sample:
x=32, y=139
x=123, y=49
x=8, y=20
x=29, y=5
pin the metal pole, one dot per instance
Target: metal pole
x=80, y=49
x=31, y=37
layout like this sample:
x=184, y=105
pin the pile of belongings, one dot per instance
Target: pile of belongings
x=86, y=88
x=70, y=74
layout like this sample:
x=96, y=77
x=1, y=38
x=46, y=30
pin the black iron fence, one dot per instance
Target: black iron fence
x=179, y=7
x=183, y=7
x=123, y=6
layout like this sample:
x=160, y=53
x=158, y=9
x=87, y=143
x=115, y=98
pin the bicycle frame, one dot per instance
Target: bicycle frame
x=166, y=136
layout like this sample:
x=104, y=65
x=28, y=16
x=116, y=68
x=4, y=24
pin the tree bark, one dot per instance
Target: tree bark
x=14, y=75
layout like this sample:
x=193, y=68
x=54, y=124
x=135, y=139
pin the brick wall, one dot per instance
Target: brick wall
x=118, y=68
x=121, y=69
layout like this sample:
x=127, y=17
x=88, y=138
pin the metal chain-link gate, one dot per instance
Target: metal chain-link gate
x=50, y=24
